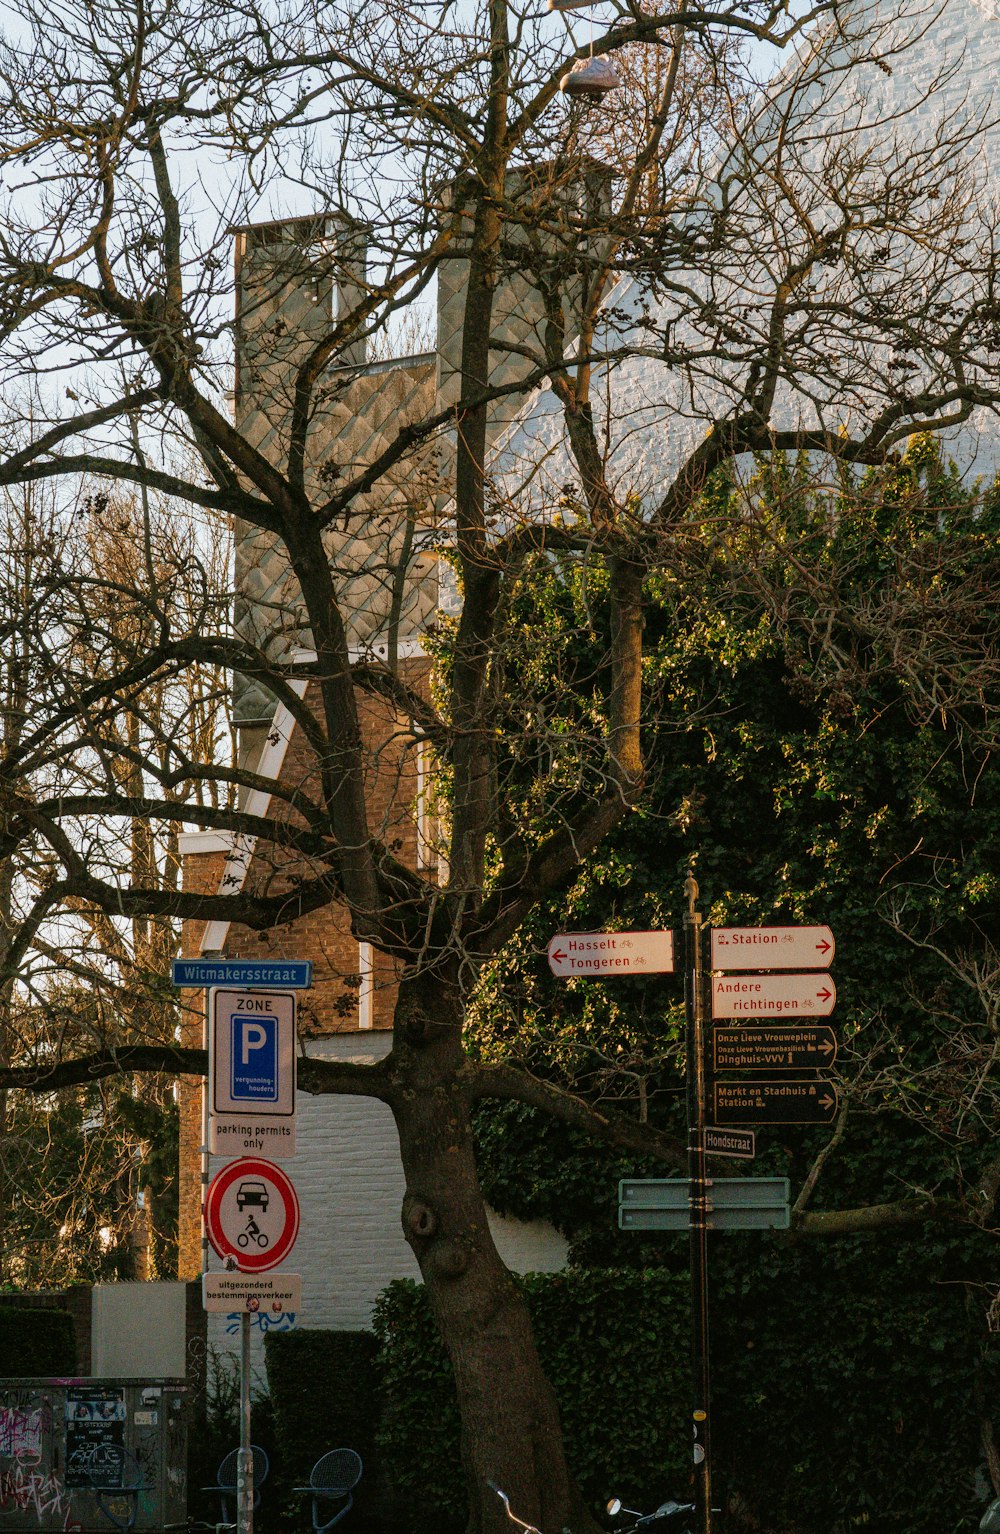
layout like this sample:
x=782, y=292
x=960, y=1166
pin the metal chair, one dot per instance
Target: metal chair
x=332, y=1480
x=118, y=1500
x=225, y=1487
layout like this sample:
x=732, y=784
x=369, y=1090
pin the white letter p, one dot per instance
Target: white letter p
x=254, y=1037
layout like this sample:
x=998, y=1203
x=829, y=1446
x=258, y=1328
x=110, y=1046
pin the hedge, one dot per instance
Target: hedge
x=844, y=1398
x=613, y=1345
x=839, y=1404
x=833, y=1410
x=324, y=1395
x=37, y=1343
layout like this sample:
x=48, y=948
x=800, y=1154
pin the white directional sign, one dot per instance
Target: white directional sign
x=745, y=948
x=252, y=1073
x=772, y=995
x=611, y=953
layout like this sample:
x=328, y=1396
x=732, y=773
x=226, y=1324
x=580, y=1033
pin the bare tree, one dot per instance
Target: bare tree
x=812, y=273
x=79, y=588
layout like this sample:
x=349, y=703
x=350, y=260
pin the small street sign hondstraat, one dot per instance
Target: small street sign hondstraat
x=611, y=953
x=775, y=1102
x=772, y=995
x=741, y=1143
x=746, y=948
x=773, y=1049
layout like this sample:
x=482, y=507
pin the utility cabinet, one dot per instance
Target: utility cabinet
x=91, y=1455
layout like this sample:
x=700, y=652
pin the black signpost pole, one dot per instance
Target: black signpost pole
x=698, y=1194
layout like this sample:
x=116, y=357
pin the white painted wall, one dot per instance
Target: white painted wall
x=138, y=1331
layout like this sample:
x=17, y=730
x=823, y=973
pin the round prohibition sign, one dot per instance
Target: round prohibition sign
x=252, y=1214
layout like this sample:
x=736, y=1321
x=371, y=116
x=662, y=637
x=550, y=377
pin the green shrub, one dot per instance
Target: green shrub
x=39, y=1343
x=324, y=1395
x=614, y=1347
x=841, y=1405
x=835, y=1409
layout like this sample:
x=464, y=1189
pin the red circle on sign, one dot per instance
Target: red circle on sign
x=236, y=1196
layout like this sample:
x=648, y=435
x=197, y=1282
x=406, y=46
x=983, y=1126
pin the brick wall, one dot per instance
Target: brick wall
x=334, y=1004
x=202, y=875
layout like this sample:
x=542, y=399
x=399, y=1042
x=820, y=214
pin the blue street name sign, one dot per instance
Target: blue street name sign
x=273, y=974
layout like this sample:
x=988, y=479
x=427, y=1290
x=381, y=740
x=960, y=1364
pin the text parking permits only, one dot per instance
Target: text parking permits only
x=252, y=1073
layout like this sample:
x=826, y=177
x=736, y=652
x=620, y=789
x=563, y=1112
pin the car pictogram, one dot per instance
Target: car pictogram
x=252, y=1193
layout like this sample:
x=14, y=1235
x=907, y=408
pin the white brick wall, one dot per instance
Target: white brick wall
x=347, y=1175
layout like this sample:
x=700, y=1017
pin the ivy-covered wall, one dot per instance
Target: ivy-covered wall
x=821, y=742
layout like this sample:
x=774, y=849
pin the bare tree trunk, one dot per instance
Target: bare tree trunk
x=6, y=997
x=510, y=1422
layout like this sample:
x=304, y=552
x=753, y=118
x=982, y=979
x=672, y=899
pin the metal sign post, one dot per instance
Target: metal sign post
x=244, y=1460
x=753, y=992
x=697, y=1194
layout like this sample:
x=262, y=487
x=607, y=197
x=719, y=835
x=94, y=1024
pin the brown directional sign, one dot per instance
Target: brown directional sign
x=775, y=1102
x=773, y=1049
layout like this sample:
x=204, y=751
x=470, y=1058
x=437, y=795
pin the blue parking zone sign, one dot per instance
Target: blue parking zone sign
x=254, y=1056
x=251, y=1074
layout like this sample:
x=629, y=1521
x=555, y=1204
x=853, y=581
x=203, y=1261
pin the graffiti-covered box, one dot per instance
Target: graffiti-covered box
x=92, y=1455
